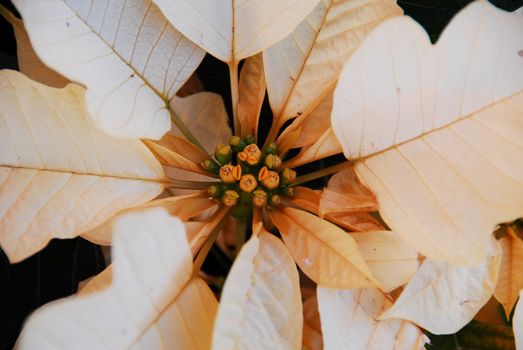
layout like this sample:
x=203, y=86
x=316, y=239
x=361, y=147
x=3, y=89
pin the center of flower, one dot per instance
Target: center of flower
x=250, y=176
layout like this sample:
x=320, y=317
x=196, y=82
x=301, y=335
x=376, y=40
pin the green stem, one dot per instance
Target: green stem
x=233, y=75
x=209, y=241
x=185, y=131
x=321, y=173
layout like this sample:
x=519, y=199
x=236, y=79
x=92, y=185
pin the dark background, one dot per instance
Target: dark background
x=55, y=271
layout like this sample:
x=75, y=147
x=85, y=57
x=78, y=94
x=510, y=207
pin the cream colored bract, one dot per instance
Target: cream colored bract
x=436, y=130
x=60, y=176
x=433, y=133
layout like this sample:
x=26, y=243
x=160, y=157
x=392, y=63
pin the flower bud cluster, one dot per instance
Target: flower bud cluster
x=249, y=176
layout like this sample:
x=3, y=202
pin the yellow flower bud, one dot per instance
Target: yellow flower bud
x=272, y=161
x=230, y=198
x=248, y=183
x=230, y=173
x=288, y=176
x=219, y=147
x=259, y=198
x=223, y=153
x=237, y=144
x=275, y=199
x=235, y=140
x=269, y=179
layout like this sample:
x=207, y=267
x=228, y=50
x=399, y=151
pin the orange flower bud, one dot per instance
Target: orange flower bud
x=242, y=156
x=230, y=173
x=248, y=183
x=275, y=199
x=270, y=179
x=259, y=198
x=264, y=172
x=288, y=191
x=252, y=154
x=230, y=198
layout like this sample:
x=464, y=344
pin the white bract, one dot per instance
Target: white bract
x=348, y=322
x=127, y=55
x=436, y=130
x=153, y=302
x=260, y=306
x=59, y=175
x=232, y=30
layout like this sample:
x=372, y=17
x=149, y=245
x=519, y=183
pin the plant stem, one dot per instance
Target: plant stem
x=321, y=173
x=185, y=130
x=222, y=216
x=233, y=75
x=7, y=15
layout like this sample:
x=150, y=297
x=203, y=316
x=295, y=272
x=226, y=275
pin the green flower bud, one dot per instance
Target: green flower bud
x=223, y=153
x=249, y=139
x=271, y=148
x=288, y=176
x=215, y=191
x=210, y=166
x=237, y=144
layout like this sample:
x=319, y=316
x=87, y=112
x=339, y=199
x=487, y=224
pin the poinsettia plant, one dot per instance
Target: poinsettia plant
x=108, y=135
